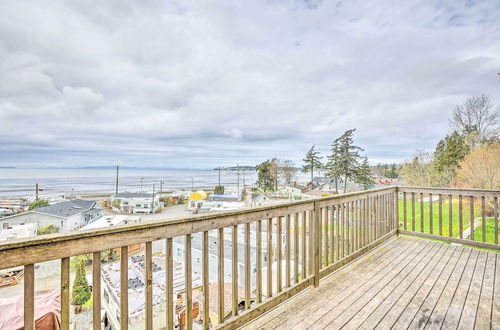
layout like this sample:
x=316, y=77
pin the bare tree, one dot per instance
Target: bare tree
x=287, y=170
x=476, y=119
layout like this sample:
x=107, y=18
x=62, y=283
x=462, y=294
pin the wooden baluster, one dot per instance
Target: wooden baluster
x=269, y=258
x=483, y=218
x=169, y=283
x=124, y=287
x=304, y=246
x=495, y=218
x=188, y=274
x=220, y=275
x=96, y=290
x=460, y=217
x=404, y=210
x=259, y=261
x=326, y=237
x=288, y=248
x=413, y=211
x=450, y=215
x=149, y=285
x=310, y=228
x=332, y=234
x=29, y=297
x=344, y=230
x=355, y=225
x=320, y=240
x=440, y=204
x=65, y=293
x=247, y=266
x=279, y=254
x=471, y=206
x=348, y=229
x=431, y=215
x=296, y=248
x=376, y=212
x=337, y=231
x=206, y=280
x=234, y=273
x=366, y=225
x=421, y=212
x=317, y=242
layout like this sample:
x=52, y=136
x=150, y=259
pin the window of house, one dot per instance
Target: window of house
x=125, y=203
x=198, y=260
x=146, y=205
x=62, y=224
x=137, y=205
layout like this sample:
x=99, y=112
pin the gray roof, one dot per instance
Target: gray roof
x=133, y=195
x=66, y=209
x=93, y=211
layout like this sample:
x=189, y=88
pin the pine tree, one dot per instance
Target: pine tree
x=265, y=176
x=312, y=162
x=364, y=175
x=81, y=289
x=450, y=151
x=344, y=159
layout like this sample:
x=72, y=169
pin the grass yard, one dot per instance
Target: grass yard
x=490, y=231
x=455, y=218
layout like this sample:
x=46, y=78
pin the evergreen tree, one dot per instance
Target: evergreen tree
x=364, y=175
x=333, y=166
x=38, y=204
x=450, y=151
x=81, y=289
x=312, y=162
x=265, y=176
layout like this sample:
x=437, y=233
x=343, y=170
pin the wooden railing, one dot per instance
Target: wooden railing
x=464, y=216
x=304, y=240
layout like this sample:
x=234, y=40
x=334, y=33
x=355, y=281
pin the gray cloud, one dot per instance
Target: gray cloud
x=204, y=83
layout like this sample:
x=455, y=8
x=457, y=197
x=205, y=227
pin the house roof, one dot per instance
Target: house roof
x=133, y=195
x=66, y=209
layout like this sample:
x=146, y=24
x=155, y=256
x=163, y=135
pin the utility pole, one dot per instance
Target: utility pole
x=153, y=203
x=116, y=186
x=219, y=176
x=238, y=184
x=192, y=184
x=141, y=184
x=36, y=191
x=161, y=188
x=243, y=180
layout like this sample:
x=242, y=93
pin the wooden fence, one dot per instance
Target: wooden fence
x=305, y=240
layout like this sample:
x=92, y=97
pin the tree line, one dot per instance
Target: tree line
x=344, y=163
x=469, y=156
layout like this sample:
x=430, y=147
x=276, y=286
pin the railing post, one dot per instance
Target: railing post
x=316, y=243
x=396, y=210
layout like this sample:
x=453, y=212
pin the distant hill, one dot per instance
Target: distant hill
x=235, y=168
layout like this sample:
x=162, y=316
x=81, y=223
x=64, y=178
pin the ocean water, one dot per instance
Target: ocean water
x=21, y=181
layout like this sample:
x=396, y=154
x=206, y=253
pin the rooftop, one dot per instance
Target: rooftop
x=66, y=209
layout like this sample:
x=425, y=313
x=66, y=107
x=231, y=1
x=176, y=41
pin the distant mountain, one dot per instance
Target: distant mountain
x=235, y=168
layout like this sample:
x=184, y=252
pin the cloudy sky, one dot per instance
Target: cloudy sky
x=204, y=83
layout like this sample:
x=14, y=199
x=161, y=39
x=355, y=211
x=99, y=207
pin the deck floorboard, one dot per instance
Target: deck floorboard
x=406, y=283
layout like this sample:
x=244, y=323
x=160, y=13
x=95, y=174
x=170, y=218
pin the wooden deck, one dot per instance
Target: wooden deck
x=405, y=283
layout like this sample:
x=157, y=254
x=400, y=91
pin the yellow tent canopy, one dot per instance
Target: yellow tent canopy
x=198, y=196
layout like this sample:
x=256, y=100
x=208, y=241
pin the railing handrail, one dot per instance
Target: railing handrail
x=252, y=212
x=451, y=191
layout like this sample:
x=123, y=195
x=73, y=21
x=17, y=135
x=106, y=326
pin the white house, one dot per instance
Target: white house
x=66, y=216
x=18, y=231
x=136, y=203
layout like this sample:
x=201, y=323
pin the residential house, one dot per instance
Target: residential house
x=66, y=216
x=136, y=203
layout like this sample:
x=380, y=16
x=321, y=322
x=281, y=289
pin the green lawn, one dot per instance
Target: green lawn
x=455, y=218
x=490, y=231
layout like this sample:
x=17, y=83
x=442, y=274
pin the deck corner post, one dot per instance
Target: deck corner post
x=396, y=210
x=316, y=243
